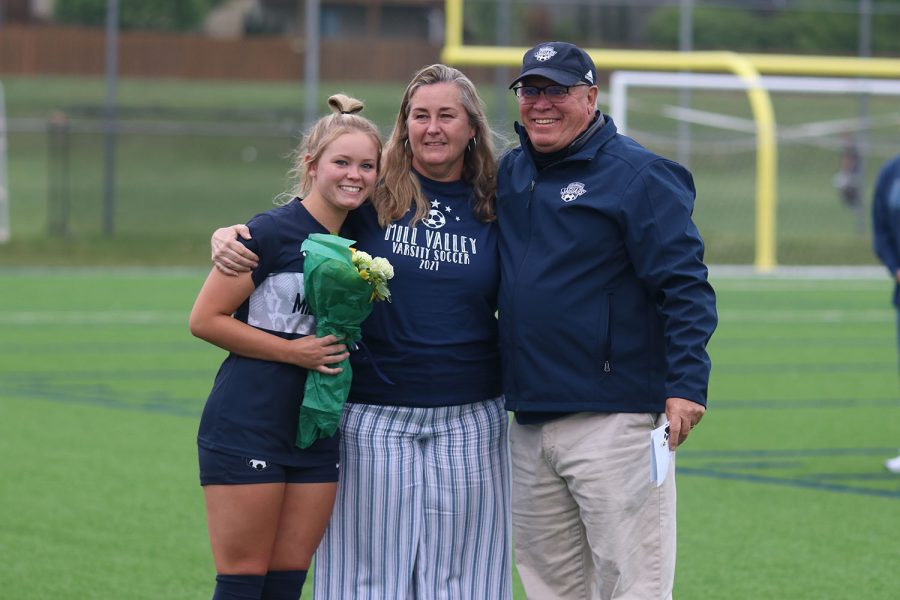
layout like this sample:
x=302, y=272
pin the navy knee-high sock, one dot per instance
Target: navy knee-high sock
x=239, y=587
x=283, y=585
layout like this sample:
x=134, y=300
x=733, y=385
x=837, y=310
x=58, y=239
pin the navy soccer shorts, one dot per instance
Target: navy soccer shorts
x=217, y=468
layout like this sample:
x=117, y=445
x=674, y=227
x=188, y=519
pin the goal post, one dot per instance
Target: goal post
x=621, y=81
x=747, y=67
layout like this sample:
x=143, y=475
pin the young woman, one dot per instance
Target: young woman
x=423, y=501
x=268, y=501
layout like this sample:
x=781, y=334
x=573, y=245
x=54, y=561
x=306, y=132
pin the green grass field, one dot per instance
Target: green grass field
x=782, y=492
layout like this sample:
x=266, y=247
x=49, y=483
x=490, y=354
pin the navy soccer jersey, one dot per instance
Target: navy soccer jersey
x=253, y=408
x=437, y=339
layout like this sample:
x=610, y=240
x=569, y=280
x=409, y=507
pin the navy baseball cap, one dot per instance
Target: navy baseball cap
x=564, y=63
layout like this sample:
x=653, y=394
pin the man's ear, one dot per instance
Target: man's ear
x=593, y=91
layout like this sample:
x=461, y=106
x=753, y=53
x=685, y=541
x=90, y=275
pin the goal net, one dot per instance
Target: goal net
x=833, y=134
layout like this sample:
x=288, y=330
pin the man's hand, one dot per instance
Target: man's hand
x=683, y=415
x=229, y=256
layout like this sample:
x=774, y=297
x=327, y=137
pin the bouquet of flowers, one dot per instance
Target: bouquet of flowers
x=376, y=271
x=340, y=284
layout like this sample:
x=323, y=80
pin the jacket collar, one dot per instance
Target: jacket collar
x=584, y=147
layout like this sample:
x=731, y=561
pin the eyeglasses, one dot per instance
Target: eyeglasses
x=528, y=94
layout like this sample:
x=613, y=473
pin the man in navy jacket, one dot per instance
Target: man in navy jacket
x=605, y=314
x=886, y=239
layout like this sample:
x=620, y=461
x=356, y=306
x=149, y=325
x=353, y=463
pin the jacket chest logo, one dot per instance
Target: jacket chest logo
x=572, y=191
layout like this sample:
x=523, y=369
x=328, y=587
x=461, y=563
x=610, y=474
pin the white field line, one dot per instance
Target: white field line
x=812, y=272
x=828, y=315
x=801, y=279
x=105, y=272
x=802, y=285
x=94, y=318
x=80, y=317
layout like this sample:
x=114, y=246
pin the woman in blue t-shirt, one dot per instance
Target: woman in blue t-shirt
x=268, y=501
x=423, y=501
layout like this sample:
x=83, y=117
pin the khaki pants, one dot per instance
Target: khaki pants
x=587, y=521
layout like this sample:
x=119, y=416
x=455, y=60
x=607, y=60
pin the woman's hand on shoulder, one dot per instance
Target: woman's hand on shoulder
x=316, y=353
x=229, y=256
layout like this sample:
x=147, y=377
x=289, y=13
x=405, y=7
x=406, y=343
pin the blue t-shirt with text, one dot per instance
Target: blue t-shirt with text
x=437, y=339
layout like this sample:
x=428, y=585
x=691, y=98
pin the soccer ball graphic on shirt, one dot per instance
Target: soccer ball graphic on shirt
x=435, y=219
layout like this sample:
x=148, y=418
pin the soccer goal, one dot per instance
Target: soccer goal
x=620, y=81
x=826, y=148
x=4, y=182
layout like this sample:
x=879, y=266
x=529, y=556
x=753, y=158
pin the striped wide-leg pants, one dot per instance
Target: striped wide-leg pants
x=423, y=505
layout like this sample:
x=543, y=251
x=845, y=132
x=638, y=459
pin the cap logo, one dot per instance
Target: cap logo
x=545, y=53
x=589, y=76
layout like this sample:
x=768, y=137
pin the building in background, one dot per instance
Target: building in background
x=373, y=19
x=369, y=40
x=25, y=11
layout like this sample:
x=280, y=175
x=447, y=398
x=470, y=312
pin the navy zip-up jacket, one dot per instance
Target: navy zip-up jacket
x=604, y=302
x=886, y=220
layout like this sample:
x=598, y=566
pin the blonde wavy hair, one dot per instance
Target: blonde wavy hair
x=398, y=186
x=343, y=119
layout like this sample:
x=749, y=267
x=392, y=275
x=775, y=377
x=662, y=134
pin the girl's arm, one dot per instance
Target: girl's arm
x=211, y=320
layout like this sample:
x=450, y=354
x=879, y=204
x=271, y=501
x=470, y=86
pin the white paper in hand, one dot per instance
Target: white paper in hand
x=660, y=455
